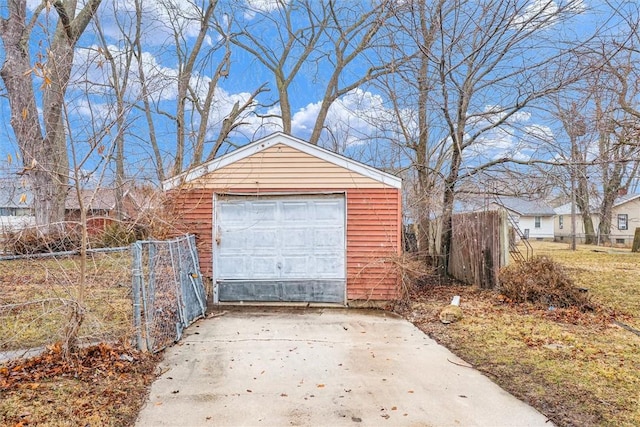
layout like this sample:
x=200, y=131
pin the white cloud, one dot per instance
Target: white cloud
x=542, y=13
x=161, y=19
x=495, y=113
x=351, y=119
x=537, y=133
x=253, y=7
x=535, y=12
x=93, y=73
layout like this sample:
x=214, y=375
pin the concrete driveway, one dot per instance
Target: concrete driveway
x=322, y=367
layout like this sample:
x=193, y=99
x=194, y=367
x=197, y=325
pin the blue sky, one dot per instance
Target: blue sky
x=352, y=119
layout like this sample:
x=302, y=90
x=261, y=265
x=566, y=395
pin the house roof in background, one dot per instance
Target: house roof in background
x=595, y=204
x=96, y=199
x=525, y=207
x=521, y=206
x=621, y=200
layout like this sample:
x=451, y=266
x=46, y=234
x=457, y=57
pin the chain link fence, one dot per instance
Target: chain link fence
x=160, y=280
x=38, y=292
x=168, y=292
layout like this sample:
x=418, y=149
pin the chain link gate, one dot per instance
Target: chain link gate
x=168, y=293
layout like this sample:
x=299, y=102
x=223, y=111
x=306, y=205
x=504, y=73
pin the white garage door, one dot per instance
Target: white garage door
x=280, y=248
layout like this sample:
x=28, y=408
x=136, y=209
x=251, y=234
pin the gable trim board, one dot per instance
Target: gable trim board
x=283, y=175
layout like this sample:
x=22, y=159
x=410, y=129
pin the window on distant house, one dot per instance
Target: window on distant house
x=561, y=222
x=537, y=221
x=623, y=220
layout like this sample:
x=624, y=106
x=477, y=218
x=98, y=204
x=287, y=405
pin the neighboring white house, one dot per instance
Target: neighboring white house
x=16, y=207
x=625, y=218
x=534, y=218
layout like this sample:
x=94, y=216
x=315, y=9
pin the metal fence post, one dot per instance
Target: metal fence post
x=136, y=269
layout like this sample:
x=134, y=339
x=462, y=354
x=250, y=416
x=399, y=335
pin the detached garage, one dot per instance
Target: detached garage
x=282, y=220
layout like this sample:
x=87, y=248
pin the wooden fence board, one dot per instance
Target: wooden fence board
x=478, y=247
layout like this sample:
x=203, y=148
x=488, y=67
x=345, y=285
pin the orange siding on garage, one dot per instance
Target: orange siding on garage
x=373, y=238
x=373, y=234
x=194, y=215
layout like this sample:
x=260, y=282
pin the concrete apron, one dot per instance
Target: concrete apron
x=322, y=367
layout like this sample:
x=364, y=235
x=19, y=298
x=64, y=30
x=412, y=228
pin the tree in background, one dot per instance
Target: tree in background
x=328, y=42
x=37, y=120
x=478, y=68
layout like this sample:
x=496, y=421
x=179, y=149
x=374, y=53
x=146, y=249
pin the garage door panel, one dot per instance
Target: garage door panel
x=234, y=240
x=329, y=237
x=295, y=211
x=328, y=265
x=297, y=242
x=263, y=212
x=329, y=211
x=295, y=266
x=262, y=239
x=263, y=266
x=295, y=239
x=233, y=213
x=232, y=266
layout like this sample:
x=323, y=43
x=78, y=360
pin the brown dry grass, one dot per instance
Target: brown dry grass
x=579, y=369
x=34, y=297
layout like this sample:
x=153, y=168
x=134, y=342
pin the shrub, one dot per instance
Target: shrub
x=119, y=234
x=540, y=280
x=59, y=238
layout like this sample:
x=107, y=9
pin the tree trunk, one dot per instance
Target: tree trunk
x=606, y=212
x=582, y=201
x=44, y=152
x=446, y=235
x=425, y=181
x=589, y=230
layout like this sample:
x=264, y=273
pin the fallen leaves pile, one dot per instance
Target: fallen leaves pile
x=104, y=384
x=89, y=364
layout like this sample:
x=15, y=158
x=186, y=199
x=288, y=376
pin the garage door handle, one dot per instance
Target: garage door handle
x=279, y=265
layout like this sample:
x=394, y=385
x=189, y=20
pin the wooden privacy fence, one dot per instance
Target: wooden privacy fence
x=479, y=247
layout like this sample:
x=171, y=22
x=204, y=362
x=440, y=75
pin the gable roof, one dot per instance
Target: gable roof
x=621, y=200
x=103, y=199
x=526, y=207
x=522, y=207
x=595, y=204
x=290, y=141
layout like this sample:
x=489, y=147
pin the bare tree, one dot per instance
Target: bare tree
x=493, y=59
x=42, y=137
x=326, y=42
x=578, y=159
x=618, y=132
x=414, y=126
x=119, y=79
x=618, y=112
x=203, y=58
x=603, y=124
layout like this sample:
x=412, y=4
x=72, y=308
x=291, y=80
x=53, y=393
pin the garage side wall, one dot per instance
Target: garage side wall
x=192, y=213
x=373, y=241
